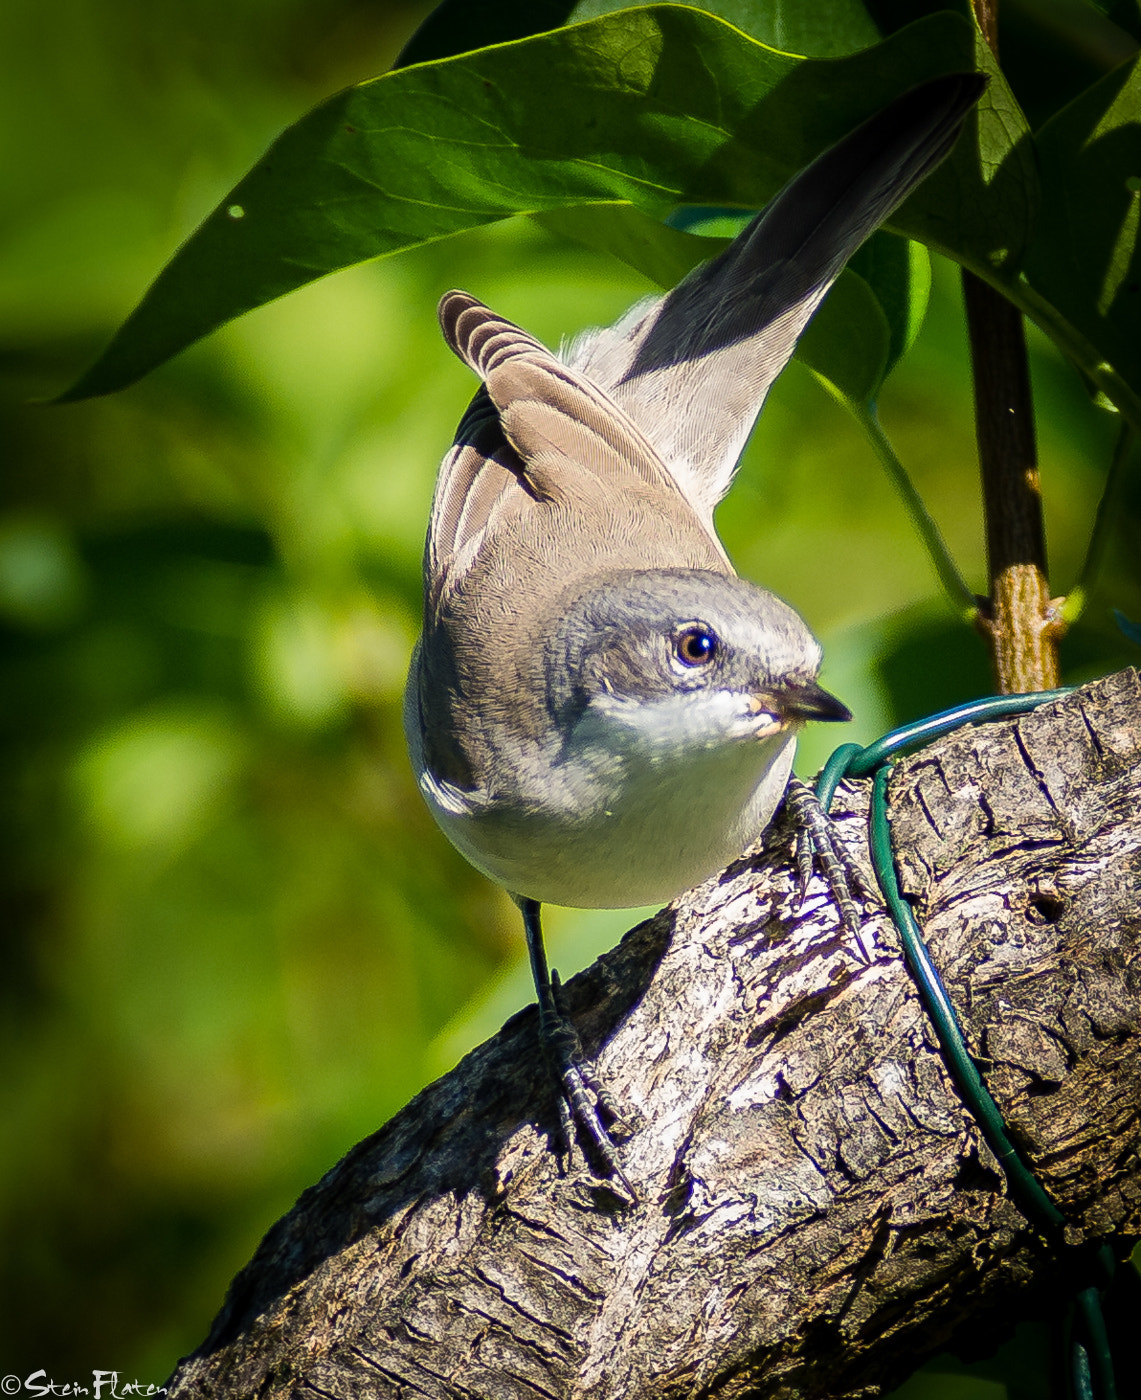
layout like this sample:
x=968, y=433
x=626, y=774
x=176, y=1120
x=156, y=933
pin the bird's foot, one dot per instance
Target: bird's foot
x=818, y=839
x=583, y=1102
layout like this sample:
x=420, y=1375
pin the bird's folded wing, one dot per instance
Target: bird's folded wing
x=537, y=431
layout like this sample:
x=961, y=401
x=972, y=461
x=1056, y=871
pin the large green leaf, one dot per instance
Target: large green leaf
x=848, y=341
x=861, y=330
x=1124, y=13
x=821, y=29
x=824, y=29
x=659, y=251
x=651, y=106
x=455, y=26
x=1085, y=262
x=979, y=206
x=898, y=272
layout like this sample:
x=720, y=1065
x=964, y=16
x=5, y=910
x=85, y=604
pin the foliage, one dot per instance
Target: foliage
x=234, y=944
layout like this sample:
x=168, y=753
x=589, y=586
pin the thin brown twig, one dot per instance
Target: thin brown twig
x=1019, y=619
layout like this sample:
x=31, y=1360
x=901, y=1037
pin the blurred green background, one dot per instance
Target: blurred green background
x=232, y=941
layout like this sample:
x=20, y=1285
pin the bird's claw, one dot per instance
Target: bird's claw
x=817, y=839
x=583, y=1100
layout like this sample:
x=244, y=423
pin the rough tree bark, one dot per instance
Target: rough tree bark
x=818, y=1212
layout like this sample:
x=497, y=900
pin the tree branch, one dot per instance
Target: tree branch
x=1020, y=621
x=817, y=1212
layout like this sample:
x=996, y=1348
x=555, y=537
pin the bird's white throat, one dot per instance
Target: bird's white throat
x=648, y=799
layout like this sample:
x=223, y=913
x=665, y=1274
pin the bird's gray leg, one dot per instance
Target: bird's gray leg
x=580, y=1091
x=817, y=836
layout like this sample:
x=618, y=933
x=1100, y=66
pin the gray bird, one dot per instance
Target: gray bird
x=600, y=712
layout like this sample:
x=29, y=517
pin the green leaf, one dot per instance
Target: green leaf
x=1126, y=14
x=822, y=29
x=654, y=106
x=898, y=272
x=848, y=341
x=980, y=205
x=709, y=221
x=457, y=26
x=660, y=252
x=868, y=320
x=1085, y=262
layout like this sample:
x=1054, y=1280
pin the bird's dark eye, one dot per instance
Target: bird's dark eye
x=696, y=645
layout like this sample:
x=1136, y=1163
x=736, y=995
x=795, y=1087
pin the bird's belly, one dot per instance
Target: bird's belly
x=666, y=832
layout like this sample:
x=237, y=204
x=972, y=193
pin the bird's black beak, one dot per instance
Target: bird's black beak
x=807, y=700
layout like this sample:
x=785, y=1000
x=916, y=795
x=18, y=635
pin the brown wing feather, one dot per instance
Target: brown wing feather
x=550, y=414
x=537, y=432
x=480, y=478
